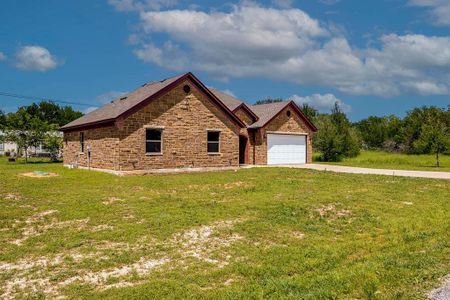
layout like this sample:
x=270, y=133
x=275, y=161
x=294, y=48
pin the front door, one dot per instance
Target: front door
x=242, y=150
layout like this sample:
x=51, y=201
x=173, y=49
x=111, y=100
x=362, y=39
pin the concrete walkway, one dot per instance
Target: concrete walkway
x=356, y=170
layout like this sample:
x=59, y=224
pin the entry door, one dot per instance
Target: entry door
x=286, y=149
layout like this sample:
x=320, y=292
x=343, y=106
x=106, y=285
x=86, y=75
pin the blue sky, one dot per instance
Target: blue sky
x=374, y=57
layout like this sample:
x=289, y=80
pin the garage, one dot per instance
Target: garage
x=286, y=149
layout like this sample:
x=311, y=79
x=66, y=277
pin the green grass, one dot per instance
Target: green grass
x=270, y=233
x=386, y=160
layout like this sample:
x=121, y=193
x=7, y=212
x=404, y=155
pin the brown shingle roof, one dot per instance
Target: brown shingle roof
x=120, y=105
x=126, y=104
x=231, y=102
x=266, y=112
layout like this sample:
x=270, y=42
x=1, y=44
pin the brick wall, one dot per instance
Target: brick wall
x=104, y=143
x=282, y=123
x=184, y=120
x=244, y=116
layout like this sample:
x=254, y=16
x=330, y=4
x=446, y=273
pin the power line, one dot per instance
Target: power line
x=12, y=95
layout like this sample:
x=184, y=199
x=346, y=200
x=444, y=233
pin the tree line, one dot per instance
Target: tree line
x=424, y=130
x=35, y=125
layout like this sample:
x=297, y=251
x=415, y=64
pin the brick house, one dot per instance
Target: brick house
x=180, y=123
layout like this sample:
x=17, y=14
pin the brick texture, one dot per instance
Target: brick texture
x=184, y=120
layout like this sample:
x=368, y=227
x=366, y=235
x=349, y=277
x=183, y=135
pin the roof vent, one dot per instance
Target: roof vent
x=144, y=84
x=123, y=98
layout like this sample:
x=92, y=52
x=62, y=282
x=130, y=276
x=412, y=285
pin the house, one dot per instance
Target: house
x=12, y=147
x=180, y=123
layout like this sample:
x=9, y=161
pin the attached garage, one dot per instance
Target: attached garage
x=286, y=149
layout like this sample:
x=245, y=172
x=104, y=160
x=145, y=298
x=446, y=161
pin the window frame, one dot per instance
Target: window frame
x=161, y=130
x=213, y=142
x=82, y=141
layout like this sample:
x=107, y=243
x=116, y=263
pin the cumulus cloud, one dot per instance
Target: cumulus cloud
x=109, y=96
x=134, y=5
x=439, y=10
x=2, y=56
x=287, y=44
x=35, y=58
x=323, y=103
x=283, y=3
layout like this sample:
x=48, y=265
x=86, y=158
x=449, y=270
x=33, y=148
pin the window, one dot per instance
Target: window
x=153, y=140
x=2, y=147
x=82, y=141
x=213, y=141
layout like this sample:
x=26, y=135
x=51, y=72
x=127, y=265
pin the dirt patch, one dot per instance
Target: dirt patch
x=407, y=203
x=48, y=275
x=34, y=227
x=12, y=196
x=236, y=184
x=442, y=292
x=102, y=227
x=331, y=212
x=202, y=243
x=39, y=174
x=112, y=200
x=298, y=235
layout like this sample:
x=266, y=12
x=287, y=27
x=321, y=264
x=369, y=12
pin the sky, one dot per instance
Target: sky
x=373, y=57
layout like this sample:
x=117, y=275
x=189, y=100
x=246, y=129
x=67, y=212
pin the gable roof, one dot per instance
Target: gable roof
x=135, y=100
x=234, y=104
x=267, y=112
x=231, y=102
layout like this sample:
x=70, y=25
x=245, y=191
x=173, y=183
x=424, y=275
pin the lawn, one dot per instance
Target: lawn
x=386, y=160
x=254, y=233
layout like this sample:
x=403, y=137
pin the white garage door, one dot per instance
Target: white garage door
x=286, y=149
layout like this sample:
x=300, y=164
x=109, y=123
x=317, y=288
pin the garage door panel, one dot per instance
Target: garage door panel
x=286, y=149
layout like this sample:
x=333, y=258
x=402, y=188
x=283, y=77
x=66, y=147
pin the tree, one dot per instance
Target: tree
x=434, y=137
x=2, y=119
x=25, y=130
x=53, y=143
x=380, y=132
x=335, y=137
x=52, y=113
x=309, y=111
x=268, y=100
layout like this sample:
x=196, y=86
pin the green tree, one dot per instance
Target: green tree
x=309, y=111
x=434, y=138
x=52, y=113
x=53, y=143
x=25, y=130
x=335, y=137
x=268, y=100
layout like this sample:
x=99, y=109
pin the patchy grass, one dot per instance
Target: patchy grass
x=386, y=160
x=255, y=233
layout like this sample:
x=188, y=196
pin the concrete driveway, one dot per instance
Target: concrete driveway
x=357, y=170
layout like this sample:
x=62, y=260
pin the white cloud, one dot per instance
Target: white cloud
x=323, y=103
x=35, y=58
x=134, y=5
x=439, y=10
x=2, y=56
x=283, y=3
x=287, y=44
x=109, y=96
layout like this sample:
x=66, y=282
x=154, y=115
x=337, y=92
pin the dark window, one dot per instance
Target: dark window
x=213, y=141
x=153, y=141
x=82, y=141
x=288, y=113
x=187, y=89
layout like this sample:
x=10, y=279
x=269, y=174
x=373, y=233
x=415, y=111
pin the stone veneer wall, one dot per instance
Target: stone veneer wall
x=243, y=116
x=184, y=120
x=282, y=123
x=104, y=143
